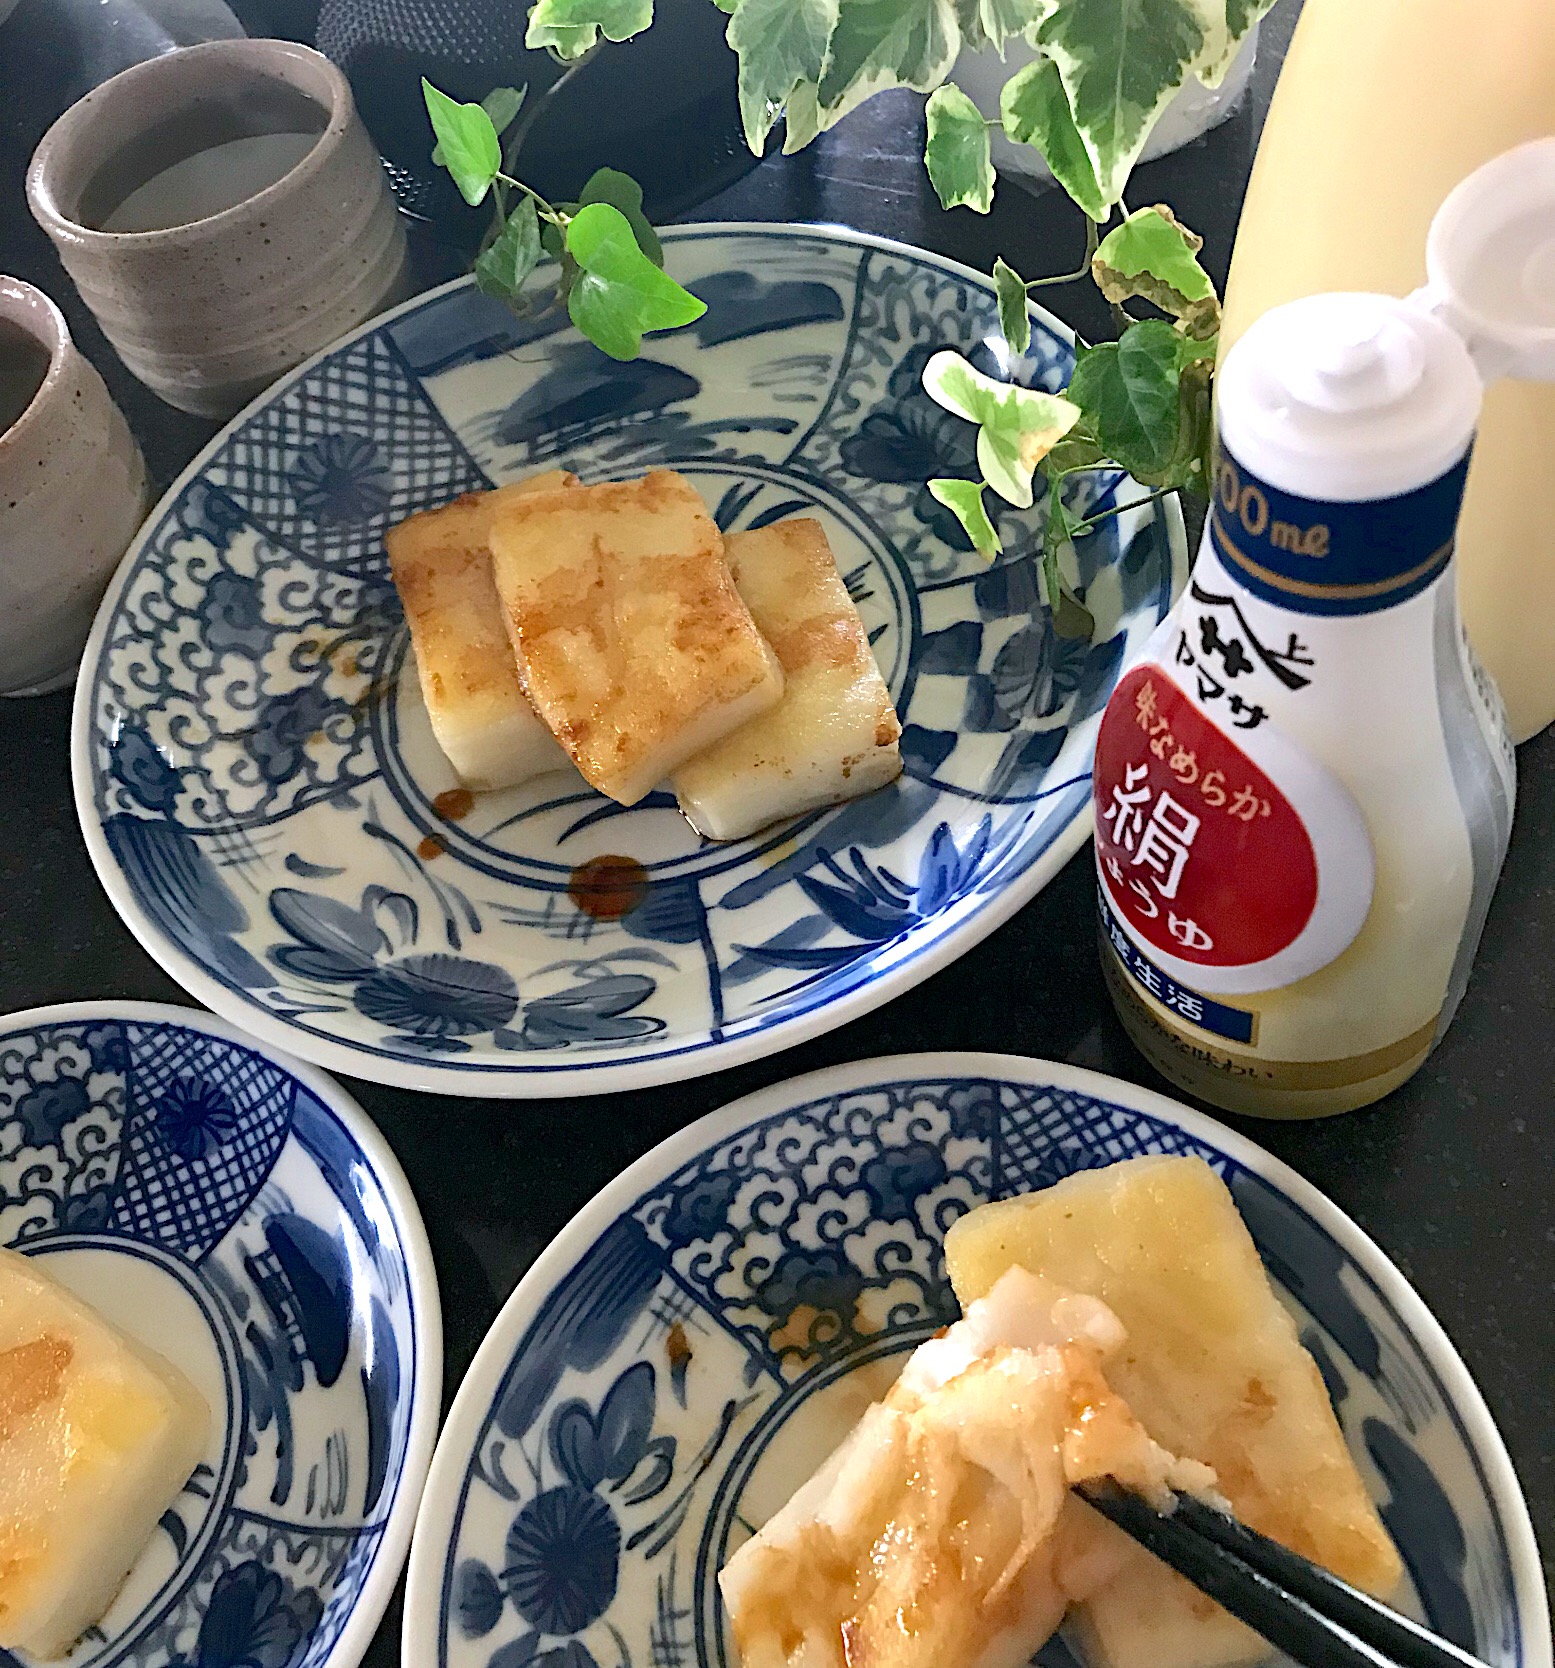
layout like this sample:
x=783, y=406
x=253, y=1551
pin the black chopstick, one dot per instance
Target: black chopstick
x=1311, y=1615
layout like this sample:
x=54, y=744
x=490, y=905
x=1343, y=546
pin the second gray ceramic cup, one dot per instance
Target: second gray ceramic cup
x=210, y=311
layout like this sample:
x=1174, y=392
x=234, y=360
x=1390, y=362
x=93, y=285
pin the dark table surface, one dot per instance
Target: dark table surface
x=1451, y=1174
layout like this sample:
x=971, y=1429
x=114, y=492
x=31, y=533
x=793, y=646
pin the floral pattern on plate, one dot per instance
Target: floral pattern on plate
x=259, y=783
x=703, y=1334
x=250, y=1225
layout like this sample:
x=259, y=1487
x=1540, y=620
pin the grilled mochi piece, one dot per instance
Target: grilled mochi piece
x=97, y=1437
x=441, y=562
x=834, y=735
x=931, y=1538
x=1214, y=1370
x=632, y=641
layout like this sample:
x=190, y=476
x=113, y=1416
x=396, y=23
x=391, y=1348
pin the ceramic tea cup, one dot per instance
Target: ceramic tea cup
x=223, y=213
x=72, y=493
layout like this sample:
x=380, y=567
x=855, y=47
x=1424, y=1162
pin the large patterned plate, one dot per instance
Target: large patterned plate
x=701, y=1335
x=238, y=1213
x=259, y=786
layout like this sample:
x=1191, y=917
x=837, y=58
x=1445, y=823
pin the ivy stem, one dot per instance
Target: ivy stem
x=1082, y=271
x=544, y=207
x=527, y=118
x=518, y=133
x=1094, y=521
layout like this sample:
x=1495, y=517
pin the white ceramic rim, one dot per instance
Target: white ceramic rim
x=394, y=1543
x=29, y=298
x=440, y=1501
x=252, y=53
x=618, y=1075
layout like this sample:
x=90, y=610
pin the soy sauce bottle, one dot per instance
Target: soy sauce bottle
x=1304, y=788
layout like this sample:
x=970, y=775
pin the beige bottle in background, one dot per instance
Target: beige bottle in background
x=1383, y=106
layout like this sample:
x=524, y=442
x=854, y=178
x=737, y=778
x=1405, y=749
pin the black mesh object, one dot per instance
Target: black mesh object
x=661, y=107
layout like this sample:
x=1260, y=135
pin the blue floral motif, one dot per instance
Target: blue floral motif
x=254, y=1619
x=590, y=1450
x=89, y=1212
x=873, y=904
x=286, y=724
x=439, y=996
x=478, y=1598
x=897, y=1177
x=342, y=478
x=260, y=604
x=597, y=1011
x=45, y=1112
x=215, y=1170
x=700, y=1208
x=908, y=439
x=185, y=892
x=563, y=1559
x=194, y=1118
x=820, y=1278
x=141, y=766
x=108, y=1046
x=207, y=513
x=973, y=1111
x=232, y=611
x=432, y=1000
x=835, y=1207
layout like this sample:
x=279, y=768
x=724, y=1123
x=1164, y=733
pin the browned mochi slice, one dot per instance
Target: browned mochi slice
x=97, y=1437
x=1215, y=1371
x=632, y=641
x=834, y=735
x=441, y=563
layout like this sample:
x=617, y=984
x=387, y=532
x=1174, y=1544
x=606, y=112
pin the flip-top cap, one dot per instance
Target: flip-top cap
x=1490, y=263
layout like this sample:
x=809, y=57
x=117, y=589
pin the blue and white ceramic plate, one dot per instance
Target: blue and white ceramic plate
x=259, y=786
x=704, y=1332
x=236, y=1212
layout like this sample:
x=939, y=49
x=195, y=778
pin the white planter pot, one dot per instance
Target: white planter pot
x=1194, y=111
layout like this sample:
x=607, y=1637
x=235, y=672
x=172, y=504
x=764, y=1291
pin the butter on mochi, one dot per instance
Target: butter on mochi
x=633, y=643
x=441, y=563
x=834, y=735
x=1214, y=1370
x=97, y=1437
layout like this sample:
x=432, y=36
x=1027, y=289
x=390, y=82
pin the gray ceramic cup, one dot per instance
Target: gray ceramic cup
x=211, y=310
x=72, y=493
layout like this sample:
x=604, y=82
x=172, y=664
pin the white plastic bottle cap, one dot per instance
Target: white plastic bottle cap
x=1348, y=397
x=1353, y=397
x=1490, y=263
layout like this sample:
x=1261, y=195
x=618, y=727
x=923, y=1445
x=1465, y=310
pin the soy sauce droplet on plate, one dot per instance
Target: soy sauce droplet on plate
x=454, y=803
x=608, y=887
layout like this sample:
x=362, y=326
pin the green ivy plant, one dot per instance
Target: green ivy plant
x=1101, y=74
x=612, y=276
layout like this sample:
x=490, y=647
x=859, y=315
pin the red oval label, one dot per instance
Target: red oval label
x=1199, y=851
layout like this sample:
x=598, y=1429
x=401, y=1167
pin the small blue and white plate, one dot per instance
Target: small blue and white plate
x=702, y=1334
x=258, y=783
x=240, y=1215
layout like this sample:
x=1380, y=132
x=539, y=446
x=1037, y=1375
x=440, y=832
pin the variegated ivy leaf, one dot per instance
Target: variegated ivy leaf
x=964, y=499
x=571, y=27
x=988, y=24
x=956, y=151
x=1014, y=320
x=1017, y=426
x=803, y=118
x=1035, y=111
x=1154, y=256
x=1229, y=26
x=1121, y=61
x=879, y=44
x=782, y=45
